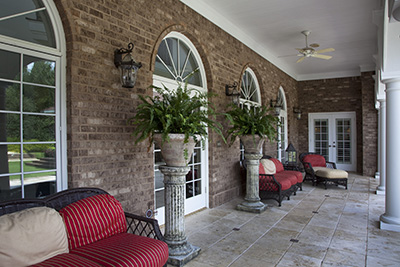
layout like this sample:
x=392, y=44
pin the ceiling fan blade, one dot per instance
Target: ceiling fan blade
x=300, y=59
x=321, y=56
x=324, y=50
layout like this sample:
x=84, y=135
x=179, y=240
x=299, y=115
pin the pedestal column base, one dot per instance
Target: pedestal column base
x=256, y=207
x=181, y=254
x=380, y=190
x=390, y=224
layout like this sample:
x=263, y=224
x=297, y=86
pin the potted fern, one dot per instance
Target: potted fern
x=176, y=120
x=252, y=125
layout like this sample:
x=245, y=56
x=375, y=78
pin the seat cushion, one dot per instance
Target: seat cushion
x=297, y=174
x=91, y=219
x=315, y=160
x=31, y=236
x=278, y=165
x=286, y=175
x=330, y=173
x=125, y=250
x=67, y=259
x=269, y=166
x=284, y=182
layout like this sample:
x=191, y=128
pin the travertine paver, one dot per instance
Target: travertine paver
x=333, y=227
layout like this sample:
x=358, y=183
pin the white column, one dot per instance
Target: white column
x=380, y=190
x=390, y=220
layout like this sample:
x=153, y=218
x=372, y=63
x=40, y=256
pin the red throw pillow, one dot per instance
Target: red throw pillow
x=261, y=169
x=315, y=160
x=278, y=165
x=91, y=219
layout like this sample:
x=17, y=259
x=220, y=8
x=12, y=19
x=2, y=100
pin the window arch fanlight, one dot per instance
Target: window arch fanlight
x=32, y=100
x=177, y=60
x=249, y=88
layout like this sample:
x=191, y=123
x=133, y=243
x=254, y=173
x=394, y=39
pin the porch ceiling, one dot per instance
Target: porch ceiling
x=273, y=28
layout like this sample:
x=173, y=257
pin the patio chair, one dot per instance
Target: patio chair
x=318, y=170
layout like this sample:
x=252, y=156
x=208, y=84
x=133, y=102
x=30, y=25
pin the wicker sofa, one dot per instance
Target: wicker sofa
x=276, y=182
x=77, y=227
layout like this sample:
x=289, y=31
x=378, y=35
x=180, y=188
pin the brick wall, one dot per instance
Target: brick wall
x=101, y=152
x=338, y=95
x=370, y=125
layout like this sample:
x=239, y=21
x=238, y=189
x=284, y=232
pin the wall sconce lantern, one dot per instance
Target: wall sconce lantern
x=127, y=66
x=277, y=105
x=297, y=112
x=234, y=93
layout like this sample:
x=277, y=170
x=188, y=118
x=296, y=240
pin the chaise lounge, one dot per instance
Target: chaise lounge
x=318, y=170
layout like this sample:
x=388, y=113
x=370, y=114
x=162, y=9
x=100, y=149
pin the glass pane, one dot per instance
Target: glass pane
x=189, y=190
x=10, y=154
x=40, y=71
x=197, y=190
x=197, y=155
x=161, y=70
x=159, y=180
x=39, y=128
x=160, y=199
x=10, y=70
x=39, y=157
x=197, y=172
x=35, y=27
x=9, y=127
x=39, y=184
x=189, y=175
x=10, y=187
x=9, y=96
x=39, y=99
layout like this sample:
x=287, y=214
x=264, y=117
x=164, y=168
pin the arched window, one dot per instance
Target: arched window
x=283, y=127
x=249, y=95
x=249, y=89
x=32, y=144
x=178, y=61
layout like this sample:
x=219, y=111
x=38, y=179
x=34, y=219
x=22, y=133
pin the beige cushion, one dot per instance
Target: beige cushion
x=31, y=236
x=330, y=173
x=269, y=166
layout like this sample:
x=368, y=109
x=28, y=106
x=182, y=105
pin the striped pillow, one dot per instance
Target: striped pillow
x=91, y=219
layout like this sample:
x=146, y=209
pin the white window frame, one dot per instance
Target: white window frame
x=281, y=154
x=58, y=55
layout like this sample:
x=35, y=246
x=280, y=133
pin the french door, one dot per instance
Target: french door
x=333, y=135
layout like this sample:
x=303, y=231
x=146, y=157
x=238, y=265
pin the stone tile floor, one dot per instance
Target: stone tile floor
x=334, y=227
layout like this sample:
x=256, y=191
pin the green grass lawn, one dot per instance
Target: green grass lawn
x=14, y=167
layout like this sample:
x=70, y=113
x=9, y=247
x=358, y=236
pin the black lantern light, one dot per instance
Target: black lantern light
x=234, y=93
x=291, y=155
x=277, y=105
x=297, y=112
x=127, y=66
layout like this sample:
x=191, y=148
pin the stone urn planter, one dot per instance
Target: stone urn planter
x=175, y=152
x=252, y=144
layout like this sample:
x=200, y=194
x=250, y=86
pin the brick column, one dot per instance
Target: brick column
x=390, y=220
x=180, y=250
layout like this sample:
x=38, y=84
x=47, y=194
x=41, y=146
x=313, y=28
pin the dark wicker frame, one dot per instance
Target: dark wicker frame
x=271, y=183
x=310, y=174
x=137, y=225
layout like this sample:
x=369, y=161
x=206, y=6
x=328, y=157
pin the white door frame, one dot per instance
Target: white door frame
x=331, y=117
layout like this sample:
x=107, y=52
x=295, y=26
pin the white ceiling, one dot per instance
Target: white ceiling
x=273, y=28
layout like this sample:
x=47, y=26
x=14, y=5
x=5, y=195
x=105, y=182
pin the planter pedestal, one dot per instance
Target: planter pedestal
x=180, y=250
x=252, y=201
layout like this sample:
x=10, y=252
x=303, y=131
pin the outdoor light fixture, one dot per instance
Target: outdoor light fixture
x=291, y=155
x=127, y=66
x=277, y=105
x=234, y=93
x=297, y=112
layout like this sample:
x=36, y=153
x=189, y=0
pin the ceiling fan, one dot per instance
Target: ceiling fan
x=309, y=51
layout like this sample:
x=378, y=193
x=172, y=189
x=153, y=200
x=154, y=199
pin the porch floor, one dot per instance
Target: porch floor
x=334, y=227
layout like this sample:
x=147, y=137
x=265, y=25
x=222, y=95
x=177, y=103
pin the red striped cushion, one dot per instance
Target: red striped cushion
x=126, y=250
x=91, y=219
x=286, y=175
x=297, y=174
x=315, y=160
x=278, y=165
x=67, y=259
